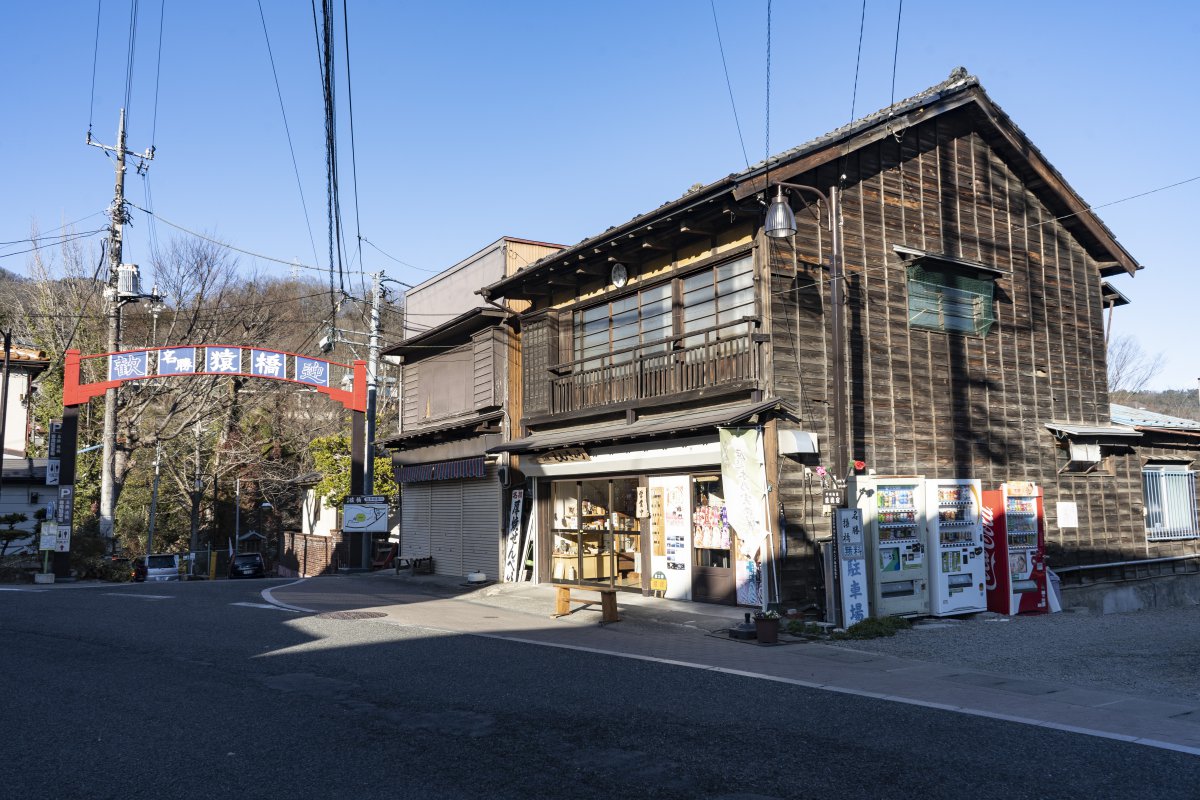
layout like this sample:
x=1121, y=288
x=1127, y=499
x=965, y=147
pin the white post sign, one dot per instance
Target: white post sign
x=49, y=538
x=852, y=566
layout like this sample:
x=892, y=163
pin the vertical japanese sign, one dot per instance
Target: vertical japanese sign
x=744, y=477
x=852, y=564
x=53, y=452
x=512, y=543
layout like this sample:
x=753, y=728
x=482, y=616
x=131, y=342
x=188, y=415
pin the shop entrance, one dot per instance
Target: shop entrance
x=597, y=538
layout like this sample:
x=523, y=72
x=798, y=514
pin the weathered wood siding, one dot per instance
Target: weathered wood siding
x=937, y=404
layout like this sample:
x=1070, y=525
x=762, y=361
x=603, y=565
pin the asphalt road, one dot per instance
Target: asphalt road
x=200, y=690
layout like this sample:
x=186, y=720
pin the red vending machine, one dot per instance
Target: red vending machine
x=1014, y=543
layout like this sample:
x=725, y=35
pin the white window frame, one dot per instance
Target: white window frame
x=1169, y=498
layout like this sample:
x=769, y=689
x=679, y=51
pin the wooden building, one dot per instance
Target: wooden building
x=972, y=319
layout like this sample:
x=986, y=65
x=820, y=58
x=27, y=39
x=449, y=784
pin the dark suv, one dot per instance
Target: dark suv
x=247, y=565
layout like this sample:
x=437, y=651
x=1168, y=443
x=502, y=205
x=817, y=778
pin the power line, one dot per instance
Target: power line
x=1110, y=203
x=288, y=131
x=728, y=85
x=95, y=55
x=226, y=245
x=157, y=72
x=133, y=13
x=896, y=51
x=398, y=261
x=862, y=23
x=32, y=239
x=62, y=240
x=350, y=103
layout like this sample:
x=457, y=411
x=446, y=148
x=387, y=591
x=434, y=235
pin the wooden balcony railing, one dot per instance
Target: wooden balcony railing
x=698, y=360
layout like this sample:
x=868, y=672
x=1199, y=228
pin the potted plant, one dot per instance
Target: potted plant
x=766, y=626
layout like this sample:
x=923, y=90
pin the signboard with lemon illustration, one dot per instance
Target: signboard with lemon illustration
x=365, y=514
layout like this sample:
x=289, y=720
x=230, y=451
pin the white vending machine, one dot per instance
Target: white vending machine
x=955, y=536
x=894, y=517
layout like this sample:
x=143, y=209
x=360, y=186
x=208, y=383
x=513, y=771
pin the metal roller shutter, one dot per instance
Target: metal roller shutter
x=446, y=528
x=482, y=524
x=415, y=517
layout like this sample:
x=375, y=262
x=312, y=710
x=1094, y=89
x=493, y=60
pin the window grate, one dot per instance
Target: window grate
x=943, y=300
x=1170, y=497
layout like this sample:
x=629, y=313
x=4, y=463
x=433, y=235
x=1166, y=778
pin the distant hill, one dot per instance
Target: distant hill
x=1173, y=402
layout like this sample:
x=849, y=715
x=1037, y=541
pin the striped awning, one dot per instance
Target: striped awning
x=443, y=470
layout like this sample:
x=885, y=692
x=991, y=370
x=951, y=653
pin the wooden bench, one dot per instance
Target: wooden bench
x=563, y=600
x=416, y=566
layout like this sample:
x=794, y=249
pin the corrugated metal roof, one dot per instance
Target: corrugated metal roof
x=646, y=427
x=1140, y=417
x=1090, y=431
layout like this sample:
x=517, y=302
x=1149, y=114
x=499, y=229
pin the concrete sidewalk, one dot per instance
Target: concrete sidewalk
x=692, y=635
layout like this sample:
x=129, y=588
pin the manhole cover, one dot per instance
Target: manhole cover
x=352, y=615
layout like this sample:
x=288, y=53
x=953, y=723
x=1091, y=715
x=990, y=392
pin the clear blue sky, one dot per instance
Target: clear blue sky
x=554, y=121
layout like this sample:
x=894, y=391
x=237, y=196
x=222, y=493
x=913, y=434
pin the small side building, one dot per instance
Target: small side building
x=461, y=394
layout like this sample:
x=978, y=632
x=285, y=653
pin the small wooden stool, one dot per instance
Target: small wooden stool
x=563, y=600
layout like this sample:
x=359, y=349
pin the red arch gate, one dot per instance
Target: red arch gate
x=183, y=361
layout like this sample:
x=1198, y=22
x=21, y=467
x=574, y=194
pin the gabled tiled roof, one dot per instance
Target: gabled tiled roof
x=960, y=81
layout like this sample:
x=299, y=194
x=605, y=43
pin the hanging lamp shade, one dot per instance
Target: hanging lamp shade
x=780, y=222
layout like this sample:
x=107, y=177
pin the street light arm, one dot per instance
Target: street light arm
x=805, y=188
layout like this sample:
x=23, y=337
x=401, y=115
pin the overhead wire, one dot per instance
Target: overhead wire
x=353, y=154
x=293, y=263
x=61, y=240
x=95, y=57
x=288, y=132
x=129, y=57
x=728, y=85
x=143, y=169
x=398, y=261
x=896, y=51
x=862, y=23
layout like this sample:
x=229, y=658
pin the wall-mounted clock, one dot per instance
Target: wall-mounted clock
x=620, y=276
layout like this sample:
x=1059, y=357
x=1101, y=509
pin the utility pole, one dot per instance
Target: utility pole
x=372, y=382
x=115, y=300
x=153, y=500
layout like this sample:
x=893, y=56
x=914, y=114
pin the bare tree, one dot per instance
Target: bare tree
x=1130, y=369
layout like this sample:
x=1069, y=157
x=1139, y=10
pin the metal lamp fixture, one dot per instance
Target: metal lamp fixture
x=781, y=221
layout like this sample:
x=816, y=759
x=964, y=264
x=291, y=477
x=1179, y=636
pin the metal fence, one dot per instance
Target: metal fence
x=1170, y=495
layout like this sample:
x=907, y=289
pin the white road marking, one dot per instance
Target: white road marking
x=266, y=595
x=142, y=596
x=973, y=712
x=18, y=589
x=262, y=605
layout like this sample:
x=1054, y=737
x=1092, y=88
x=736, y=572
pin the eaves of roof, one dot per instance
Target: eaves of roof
x=420, y=435
x=449, y=334
x=958, y=90
x=645, y=428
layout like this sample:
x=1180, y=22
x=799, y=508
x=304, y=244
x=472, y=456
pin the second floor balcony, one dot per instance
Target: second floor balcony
x=714, y=360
